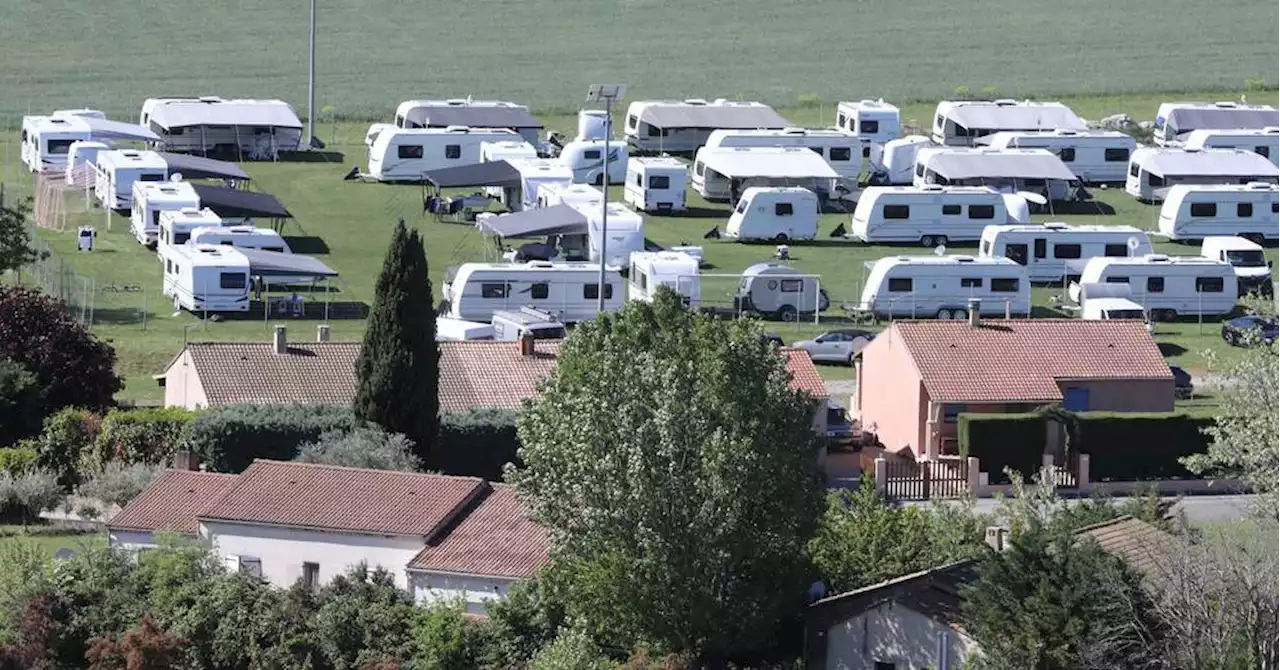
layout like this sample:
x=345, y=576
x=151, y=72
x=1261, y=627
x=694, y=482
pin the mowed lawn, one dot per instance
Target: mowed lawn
x=349, y=224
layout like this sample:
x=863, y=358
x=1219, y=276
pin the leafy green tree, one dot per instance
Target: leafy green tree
x=367, y=447
x=32, y=491
x=117, y=483
x=443, y=638
x=74, y=367
x=94, y=595
x=524, y=622
x=148, y=647
x=573, y=649
x=66, y=436
x=15, y=239
x=399, y=365
x=362, y=616
x=676, y=473
x=21, y=404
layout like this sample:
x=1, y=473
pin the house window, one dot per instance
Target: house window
x=792, y=285
x=1208, y=284
x=897, y=211
x=1004, y=285
x=233, y=280
x=252, y=566
x=1075, y=399
x=592, y=291
x=841, y=154
x=494, y=290
x=409, y=151
x=982, y=211
x=453, y=151
x=539, y=291
x=1067, y=155
x=951, y=210
x=783, y=209
x=869, y=127
x=660, y=182
x=971, y=282
x=1066, y=251
x=1204, y=209
x=1116, y=155
x=311, y=576
x=900, y=285
x=950, y=412
x=1155, y=284
x=1115, y=250
x=1244, y=210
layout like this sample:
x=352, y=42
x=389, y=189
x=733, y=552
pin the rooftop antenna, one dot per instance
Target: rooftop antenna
x=1133, y=243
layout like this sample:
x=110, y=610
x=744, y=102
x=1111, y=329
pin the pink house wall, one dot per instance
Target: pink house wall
x=890, y=395
x=1126, y=395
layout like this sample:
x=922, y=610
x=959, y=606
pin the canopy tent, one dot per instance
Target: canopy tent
x=186, y=114
x=1017, y=117
x=279, y=264
x=775, y=162
x=493, y=173
x=234, y=203
x=1223, y=118
x=105, y=129
x=472, y=117
x=1210, y=162
x=713, y=117
x=1012, y=164
x=555, y=220
x=196, y=167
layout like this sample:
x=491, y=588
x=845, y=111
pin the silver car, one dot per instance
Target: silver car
x=836, y=346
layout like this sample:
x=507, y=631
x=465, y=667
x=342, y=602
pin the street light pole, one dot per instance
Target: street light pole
x=311, y=80
x=608, y=94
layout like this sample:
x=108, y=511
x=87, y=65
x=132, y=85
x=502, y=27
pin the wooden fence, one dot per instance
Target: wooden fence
x=923, y=480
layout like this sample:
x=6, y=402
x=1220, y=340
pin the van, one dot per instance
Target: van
x=1253, y=270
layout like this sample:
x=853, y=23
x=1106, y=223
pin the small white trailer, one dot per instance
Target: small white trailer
x=176, y=226
x=1012, y=170
x=474, y=291
x=675, y=270
x=1167, y=286
x=1110, y=302
x=1175, y=121
x=584, y=158
x=46, y=140
x=873, y=120
x=776, y=291
x=849, y=155
x=656, y=184
x=1095, y=156
x=1047, y=249
x=897, y=164
x=781, y=215
x=250, y=129
x=932, y=215
x=535, y=173
x=82, y=160
x=675, y=126
x=592, y=125
x=959, y=123
x=1152, y=171
x=117, y=171
x=150, y=199
x=212, y=278
x=556, y=193
x=723, y=174
x=513, y=324
x=1250, y=210
x=491, y=114
x=241, y=237
x=942, y=286
x=1253, y=270
x=1262, y=141
x=506, y=150
x=457, y=330
x=403, y=154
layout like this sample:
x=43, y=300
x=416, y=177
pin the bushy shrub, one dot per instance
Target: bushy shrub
x=144, y=435
x=118, y=482
x=1131, y=446
x=477, y=443
x=17, y=459
x=21, y=404
x=571, y=650
x=1000, y=441
x=229, y=438
x=66, y=435
x=362, y=448
x=31, y=492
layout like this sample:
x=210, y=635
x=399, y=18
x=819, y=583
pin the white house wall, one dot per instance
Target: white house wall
x=476, y=592
x=894, y=634
x=182, y=387
x=284, y=550
x=131, y=540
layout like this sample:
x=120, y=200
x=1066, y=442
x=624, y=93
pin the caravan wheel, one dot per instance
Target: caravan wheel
x=927, y=242
x=960, y=314
x=944, y=314
x=787, y=313
x=780, y=238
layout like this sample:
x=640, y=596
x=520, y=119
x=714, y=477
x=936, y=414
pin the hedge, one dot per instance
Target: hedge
x=17, y=459
x=145, y=435
x=1128, y=446
x=999, y=441
x=229, y=438
x=477, y=443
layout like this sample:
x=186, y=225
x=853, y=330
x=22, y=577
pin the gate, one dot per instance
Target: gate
x=923, y=480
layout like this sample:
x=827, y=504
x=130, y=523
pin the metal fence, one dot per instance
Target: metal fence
x=92, y=301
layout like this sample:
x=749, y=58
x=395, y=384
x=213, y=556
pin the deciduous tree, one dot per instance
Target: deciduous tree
x=20, y=403
x=15, y=238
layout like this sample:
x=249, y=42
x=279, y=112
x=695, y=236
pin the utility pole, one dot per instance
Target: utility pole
x=608, y=94
x=311, y=80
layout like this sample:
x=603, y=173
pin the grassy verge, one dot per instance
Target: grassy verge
x=51, y=538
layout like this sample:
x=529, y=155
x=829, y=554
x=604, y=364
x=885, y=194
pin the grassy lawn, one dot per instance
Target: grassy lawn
x=348, y=224
x=48, y=539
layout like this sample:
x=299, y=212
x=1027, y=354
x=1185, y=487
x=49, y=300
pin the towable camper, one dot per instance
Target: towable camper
x=176, y=227
x=488, y=114
x=117, y=171
x=1047, y=249
x=535, y=173
x=1253, y=270
x=684, y=126
x=872, y=120
x=584, y=158
x=212, y=278
x=897, y=163
x=404, y=154
x=656, y=184
x=675, y=270
x=515, y=324
x=47, y=140
x=1262, y=141
x=932, y=215
x=251, y=129
x=847, y=154
x=776, y=291
x=1167, y=286
x=1250, y=210
x=506, y=151
x=959, y=123
x=776, y=214
x=556, y=193
x=1032, y=170
x=1095, y=157
x=82, y=161
x=1153, y=171
x=572, y=231
x=942, y=286
x=474, y=291
x=723, y=174
x=150, y=199
x=1175, y=121
x=1109, y=302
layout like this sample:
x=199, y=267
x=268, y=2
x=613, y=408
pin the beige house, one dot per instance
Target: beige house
x=916, y=377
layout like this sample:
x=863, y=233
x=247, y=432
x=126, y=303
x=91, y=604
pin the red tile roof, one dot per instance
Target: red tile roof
x=1140, y=544
x=804, y=374
x=496, y=538
x=489, y=373
x=172, y=502
x=251, y=372
x=1021, y=360
x=356, y=500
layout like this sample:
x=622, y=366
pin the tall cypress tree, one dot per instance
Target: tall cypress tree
x=399, y=366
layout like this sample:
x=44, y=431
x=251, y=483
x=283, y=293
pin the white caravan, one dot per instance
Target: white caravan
x=1253, y=271
x=675, y=270
x=150, y=199
x=534, y=174
x=1096, y=156
x=941, y=286
x=204, y=277
x=933, y=215
x=656, y=184
x=514, y=324
x=625, y=232
x=570, y=290
x=683, y=126
x=718, y=172
x=457, y=330
x=556, y=193
x=176, y=227
x=872, y=120
x=1196, y=212
x=847, y=154
x=83, y=153
x=241, y=237
x=1262, y=141
x=897, y=164
x=47, y=140
x=1110, y=302
x=1048, y=250
x=1167, y=286
x=593, y=124
x=583, y=157
x=1152, y=171
x=1176, y=120
x=777, y=291
x=1034, y=170
x=404, y=154
x=778, y=214
x=117, y=171
x=959, y=123
x=506, y=151
x=255, y=129
x=493, y=114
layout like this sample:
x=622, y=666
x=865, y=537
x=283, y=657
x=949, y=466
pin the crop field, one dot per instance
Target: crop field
x=111, y=54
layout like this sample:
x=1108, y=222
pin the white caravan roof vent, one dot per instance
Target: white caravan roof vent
x=457, y=129
x=931, y=187
x=1157, y=258
x=210, y=98
x=793, y=131
x=1224, y=103
x=1005, y=102
x=1259, y=185
x=695, y=101
x=964, y=259
x=1056, y=225
x=456, y=101
x=1066, y=131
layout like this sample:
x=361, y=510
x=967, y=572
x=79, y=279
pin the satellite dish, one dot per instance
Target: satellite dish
x=1134, y=243
x=1033, y=197
x=940, y=250
x=175, y=177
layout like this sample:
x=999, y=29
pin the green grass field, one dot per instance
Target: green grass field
x=352, y=221
x=112, y=54
x=48, y=541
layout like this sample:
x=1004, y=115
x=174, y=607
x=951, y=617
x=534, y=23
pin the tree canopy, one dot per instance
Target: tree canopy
x=15, y=239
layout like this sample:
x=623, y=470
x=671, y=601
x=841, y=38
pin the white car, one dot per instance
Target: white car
x=836, y=346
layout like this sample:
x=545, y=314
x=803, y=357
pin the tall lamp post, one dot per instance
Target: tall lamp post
x=608, y=94
x=311, y=80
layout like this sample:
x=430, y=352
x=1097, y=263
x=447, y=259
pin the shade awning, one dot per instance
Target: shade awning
x=197, y=167
x=493, y=173
x=1022, y=164
x=277, y=264
x=1015, y=117
x=1226, y=118
x=263, y=113
x=1212, y=162
x=105, y=129
x=713, y=117
x=774, y=162
x=234, y=203
x=555, y=220
x=472, y=117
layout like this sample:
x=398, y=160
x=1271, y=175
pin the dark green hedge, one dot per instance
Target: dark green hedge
x=476, y=443
x=1137, y=447
x=999, y=441
x=229, y=438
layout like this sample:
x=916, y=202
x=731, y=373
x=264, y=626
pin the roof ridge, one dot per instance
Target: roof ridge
x=267, y=343
x=329, y=466
x=1104, y=524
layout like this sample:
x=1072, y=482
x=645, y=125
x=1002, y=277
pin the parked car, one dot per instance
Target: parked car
x=839, y=428
x=1182, y=387
x=836, y=346
x=1237, y=331
x=774, y=338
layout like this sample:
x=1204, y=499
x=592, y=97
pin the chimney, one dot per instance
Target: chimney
x=322, y=332
x=185, y=460
x=975, y=306
x=997, y=537
x=526, y=344
x=281, y=341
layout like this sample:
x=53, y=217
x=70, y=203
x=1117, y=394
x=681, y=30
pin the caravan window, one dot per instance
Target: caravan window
x=1208, y=284
x=1067, y=155
x=1117, y=156
x=655, y=131
x=938, y=122
x=1155, y=284
x=1244, y=210
x=261, y=130
x=841, y=119
x=1154, y=180
x=60, y=146
x=919, y=169
x=661, y=181
x=816, y=150
x=792, y=285
x=869, y=126
x=632, y=121
x=1004, y=285
x=453, y=151
x=897, y=211
x=866, y=152
x=1066, y=251
x=697, y=168
x=841, y=153
x=900, y=285
x=1117, y=280
x=639, y=278
x=1040, y=245
x=1263, y=151
x=982, y=211
x=1133, y=169
x=151, y=176
x=591, y=155
x=971, y=282
x=240, y=280
x=180, y=238
x=1115, y=250
x=278, y=250
x=951, y=210
x=1275, y=208
x=409, y=151
x=539, y=291
x=494, y=290
x=783, y=209
x=742, y=206
x=592, y=291
x=1204, y=209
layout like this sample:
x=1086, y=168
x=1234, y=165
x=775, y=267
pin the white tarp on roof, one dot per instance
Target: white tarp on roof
x=1225, y=118
x=1019, y=164
x=713, y=117
x=177, y=114
x=1215, y=162
x=1017, y=117
x=777, y=162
